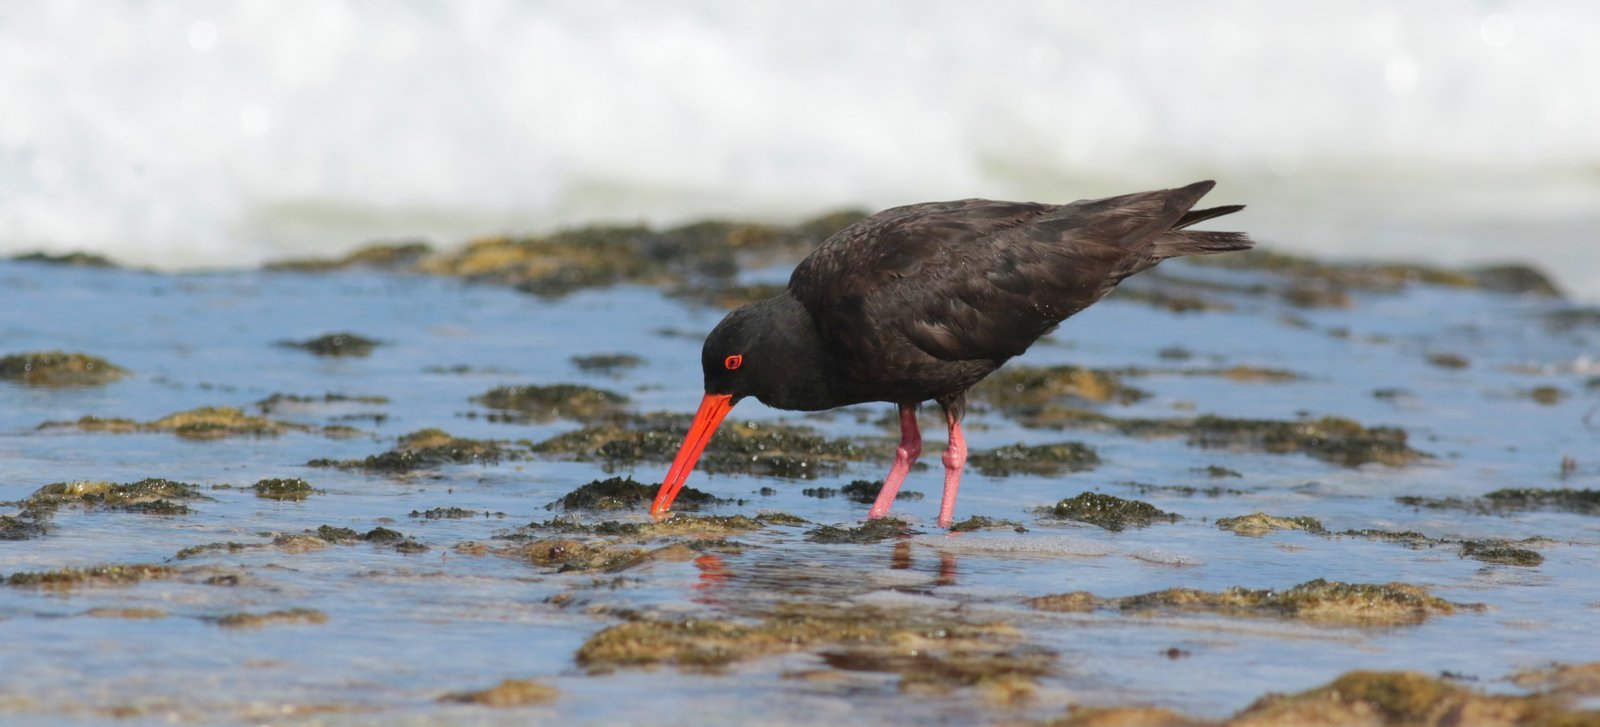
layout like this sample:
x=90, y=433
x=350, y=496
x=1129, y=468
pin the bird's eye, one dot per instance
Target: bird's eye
x=733, y=362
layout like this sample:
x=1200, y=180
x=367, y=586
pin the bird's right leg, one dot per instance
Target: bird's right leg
x=904, y=455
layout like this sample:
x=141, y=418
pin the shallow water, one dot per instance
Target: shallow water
x=403, y=629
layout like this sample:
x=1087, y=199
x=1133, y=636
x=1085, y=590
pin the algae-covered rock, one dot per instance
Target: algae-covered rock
x=103, y=575
x=609, y=364
x=1320, y=601
x=871, y=531
x=336, y=344
x=129, y=496
x=377, y=256
x=285, y=617
x=619, y=493
x=509, y=693
x=567, y=555
x=764, y=449
x=1037, y=459
x=1331, y=439
x=66, y=259
x=1500, y=553
x=1585, y=502
x=1108, y=511
x=283, y=489
x=981, y=522
x=557, y=401
x=429, y=449
x=58, y=368
x=446, y=513
x=20, y=527
x=1017, y=387
x=204, y=423
x=1260, y=523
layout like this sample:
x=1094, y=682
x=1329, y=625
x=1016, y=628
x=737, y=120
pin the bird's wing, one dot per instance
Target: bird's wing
x=978, y=279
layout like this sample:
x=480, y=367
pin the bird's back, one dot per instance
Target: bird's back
x=922, y=301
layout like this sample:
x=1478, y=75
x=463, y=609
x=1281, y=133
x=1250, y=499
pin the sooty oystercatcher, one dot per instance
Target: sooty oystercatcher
x=921, y=302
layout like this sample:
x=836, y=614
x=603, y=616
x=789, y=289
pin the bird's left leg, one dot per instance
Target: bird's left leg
x=904, y=456
x=955, y=457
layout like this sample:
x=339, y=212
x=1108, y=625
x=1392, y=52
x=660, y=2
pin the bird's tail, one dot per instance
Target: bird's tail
x=1177, y=241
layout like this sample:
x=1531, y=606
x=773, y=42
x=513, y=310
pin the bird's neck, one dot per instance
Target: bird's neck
x=797, y=374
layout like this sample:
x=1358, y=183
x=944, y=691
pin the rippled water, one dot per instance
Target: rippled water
x=403, y=629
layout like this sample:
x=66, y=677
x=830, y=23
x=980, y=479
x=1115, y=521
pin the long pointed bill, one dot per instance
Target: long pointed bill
x=712, y=410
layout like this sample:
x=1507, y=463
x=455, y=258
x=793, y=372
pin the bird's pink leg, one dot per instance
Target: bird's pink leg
x=955, y=457
x=904, y=455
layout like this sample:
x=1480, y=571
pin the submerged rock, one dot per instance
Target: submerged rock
x=283, y=489
x=204, y=423
x=1321, y=601
x=619, y=493
x=58, y=368
x=378, y=256
x=1017, y=387
x=871, y=531
x=609, y=364
x=20, y=527
x=153, y=495
x=291, y=616
x=336, y=344
x=773, y=450
x=428, y=449
x=1108, y=511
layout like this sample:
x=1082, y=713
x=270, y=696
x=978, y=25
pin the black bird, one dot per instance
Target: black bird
x=921, y=302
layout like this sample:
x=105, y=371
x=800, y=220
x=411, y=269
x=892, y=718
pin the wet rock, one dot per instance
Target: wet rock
x=378, y=256
x=336, y=344
x=1217, y=471
x=1447, y=360
x=781, y=518
x=1583, y=502
x=1108, y=511
x=1570, y=319
x=1074, y=602
x=1384, y=277
x=1260, y=523
x=678, y=524
x=429, y=449
x=1545, y=395
x=1037, y=459
x=620, y=493
x=1390, y=698
x=292, y=616
x=294, y=489
x=297, y=544
x=1319, y=601
x=58, y=368
x=509, y=693
x=568, y=555
x=871, y=531
x=446, y=513
x=127, y=613
x=196, y=551
x=288, y=401
x=557, y=401
x=1331, y=439
x=861, y=491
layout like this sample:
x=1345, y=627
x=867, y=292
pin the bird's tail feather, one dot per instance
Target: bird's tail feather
x=1193, y=242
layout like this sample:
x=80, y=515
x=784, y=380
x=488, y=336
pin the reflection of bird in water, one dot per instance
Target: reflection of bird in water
x=919, y=303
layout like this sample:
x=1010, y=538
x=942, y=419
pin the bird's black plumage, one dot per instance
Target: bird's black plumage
x=920, y=302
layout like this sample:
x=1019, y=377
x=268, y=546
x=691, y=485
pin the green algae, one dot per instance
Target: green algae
x=508, y=693
x=285, y=617
x=1319, y=601
x=981, y=522
x=621, y=493
x=871, y=531
x=1260, y=523
x=58, y=368
x=294, y=489
x=430, y=449
x=556, y=401
x=1108, y=511
x=1037, y=459
x=336, y=344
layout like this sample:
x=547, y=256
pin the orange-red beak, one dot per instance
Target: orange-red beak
x=712, y=410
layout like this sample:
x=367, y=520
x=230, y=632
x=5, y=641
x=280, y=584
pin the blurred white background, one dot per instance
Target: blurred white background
x=201, y=134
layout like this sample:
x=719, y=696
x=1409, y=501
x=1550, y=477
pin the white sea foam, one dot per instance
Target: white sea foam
x=192, y=133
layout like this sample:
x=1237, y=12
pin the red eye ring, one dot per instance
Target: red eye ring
x=733, y=362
